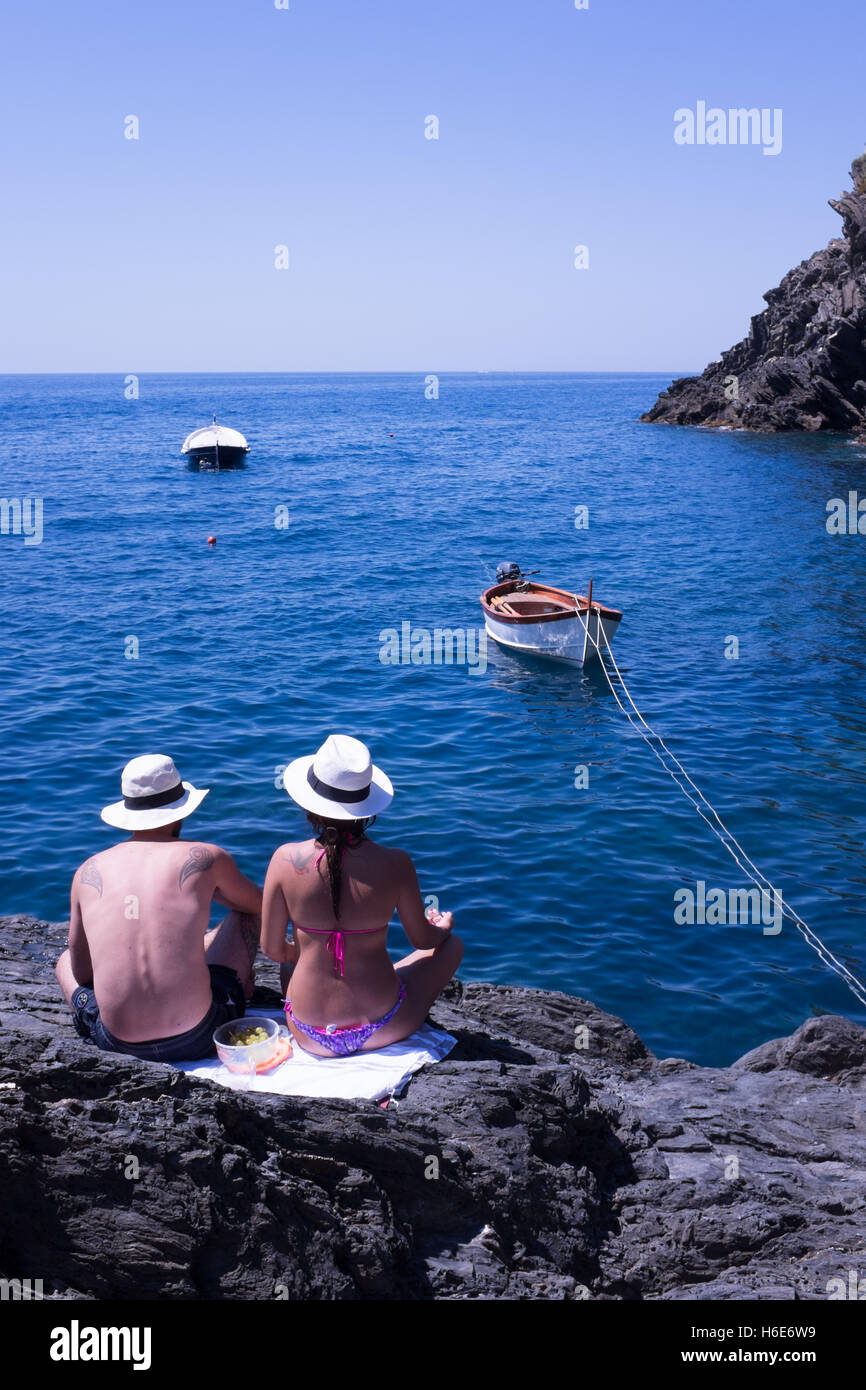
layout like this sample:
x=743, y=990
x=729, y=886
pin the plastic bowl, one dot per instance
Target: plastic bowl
x=246, y=1058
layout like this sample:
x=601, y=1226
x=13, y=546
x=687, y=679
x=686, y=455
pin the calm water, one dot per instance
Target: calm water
x=249, y=654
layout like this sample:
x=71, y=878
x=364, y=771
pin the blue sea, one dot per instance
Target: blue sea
x=398, y=507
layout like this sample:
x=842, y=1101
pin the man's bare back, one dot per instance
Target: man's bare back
x=139, y=914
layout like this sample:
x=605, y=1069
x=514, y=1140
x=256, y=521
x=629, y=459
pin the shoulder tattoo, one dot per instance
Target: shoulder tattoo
x=300, y=858
x=90, y=874
x=198, y=862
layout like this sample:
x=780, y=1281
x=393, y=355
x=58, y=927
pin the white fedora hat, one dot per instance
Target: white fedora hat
x=339, y=782
x=153, y=795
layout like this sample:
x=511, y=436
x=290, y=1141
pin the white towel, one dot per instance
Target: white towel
x=363, y=1076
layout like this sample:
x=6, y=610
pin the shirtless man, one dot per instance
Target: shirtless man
x=138, y=939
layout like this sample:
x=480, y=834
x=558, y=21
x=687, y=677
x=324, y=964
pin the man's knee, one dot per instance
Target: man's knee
x=243, y=924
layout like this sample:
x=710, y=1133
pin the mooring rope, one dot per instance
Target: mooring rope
x=726, y=837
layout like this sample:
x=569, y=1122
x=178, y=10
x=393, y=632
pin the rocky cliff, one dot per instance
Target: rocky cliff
x=551, y=1156
x=803, y=364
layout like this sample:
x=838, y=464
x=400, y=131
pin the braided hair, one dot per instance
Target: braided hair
x=335, y=837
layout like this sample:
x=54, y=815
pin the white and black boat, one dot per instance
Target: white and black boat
x=215, y=446
x=544, y=621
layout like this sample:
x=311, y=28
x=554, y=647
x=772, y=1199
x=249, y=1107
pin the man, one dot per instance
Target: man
x=142, y=974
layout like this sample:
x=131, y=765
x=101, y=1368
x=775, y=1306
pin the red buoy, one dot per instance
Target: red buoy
x=211, y=540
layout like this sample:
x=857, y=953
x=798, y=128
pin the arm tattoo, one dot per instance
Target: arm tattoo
x=250, y=931
x=299, y=858
x=199, y=861
x=90, y=874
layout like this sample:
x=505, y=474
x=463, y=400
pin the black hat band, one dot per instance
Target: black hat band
x=336, y=793
x=149, y=803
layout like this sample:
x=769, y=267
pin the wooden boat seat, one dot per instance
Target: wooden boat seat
x=529, y=604
x=523, y=605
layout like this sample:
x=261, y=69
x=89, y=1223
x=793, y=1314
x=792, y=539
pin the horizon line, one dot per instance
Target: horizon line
x=366, y=371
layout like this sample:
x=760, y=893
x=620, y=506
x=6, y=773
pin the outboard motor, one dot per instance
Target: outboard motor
x=506, y=571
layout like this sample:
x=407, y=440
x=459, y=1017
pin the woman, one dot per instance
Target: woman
x=339, y=891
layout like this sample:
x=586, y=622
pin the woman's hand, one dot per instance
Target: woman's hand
x=443, y=920
x=427, y=929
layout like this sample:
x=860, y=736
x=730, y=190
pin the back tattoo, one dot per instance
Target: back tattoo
x=90, y=874
x=198, y=862
x=300, y=858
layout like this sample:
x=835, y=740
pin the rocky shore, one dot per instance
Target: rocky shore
x=551, y=1156
x=802, y=365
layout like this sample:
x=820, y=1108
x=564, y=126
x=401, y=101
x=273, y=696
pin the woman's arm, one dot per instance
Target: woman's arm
x=275, y=917
x=422, y=933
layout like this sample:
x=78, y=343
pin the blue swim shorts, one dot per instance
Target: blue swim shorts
x=227, y=1003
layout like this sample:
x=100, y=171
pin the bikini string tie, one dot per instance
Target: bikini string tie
x=334, y=947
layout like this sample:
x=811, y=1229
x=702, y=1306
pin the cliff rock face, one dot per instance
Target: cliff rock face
x=803, y=364
x=551, y=1156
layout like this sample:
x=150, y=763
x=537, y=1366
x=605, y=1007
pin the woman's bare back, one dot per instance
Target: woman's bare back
x=368, y=986
x=375, y=882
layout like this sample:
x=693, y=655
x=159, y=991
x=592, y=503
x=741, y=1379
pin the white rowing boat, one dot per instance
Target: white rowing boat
x=545, y=621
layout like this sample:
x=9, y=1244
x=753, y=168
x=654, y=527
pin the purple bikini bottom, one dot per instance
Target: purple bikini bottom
x=343, y=1042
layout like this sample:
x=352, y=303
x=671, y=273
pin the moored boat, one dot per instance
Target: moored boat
x=215, y=446
x=545, y=621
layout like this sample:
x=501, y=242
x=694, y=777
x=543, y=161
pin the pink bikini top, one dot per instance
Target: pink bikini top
x=335, y=943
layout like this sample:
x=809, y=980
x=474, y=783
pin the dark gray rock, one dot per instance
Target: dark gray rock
x=803, y=364
x=830, y=1046
x=551, y=1156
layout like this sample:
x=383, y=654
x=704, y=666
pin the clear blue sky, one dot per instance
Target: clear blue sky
x=306, y=128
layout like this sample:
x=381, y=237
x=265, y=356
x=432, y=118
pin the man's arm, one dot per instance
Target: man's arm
x=79, y=951
x=275, y=917
x=231, y=887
